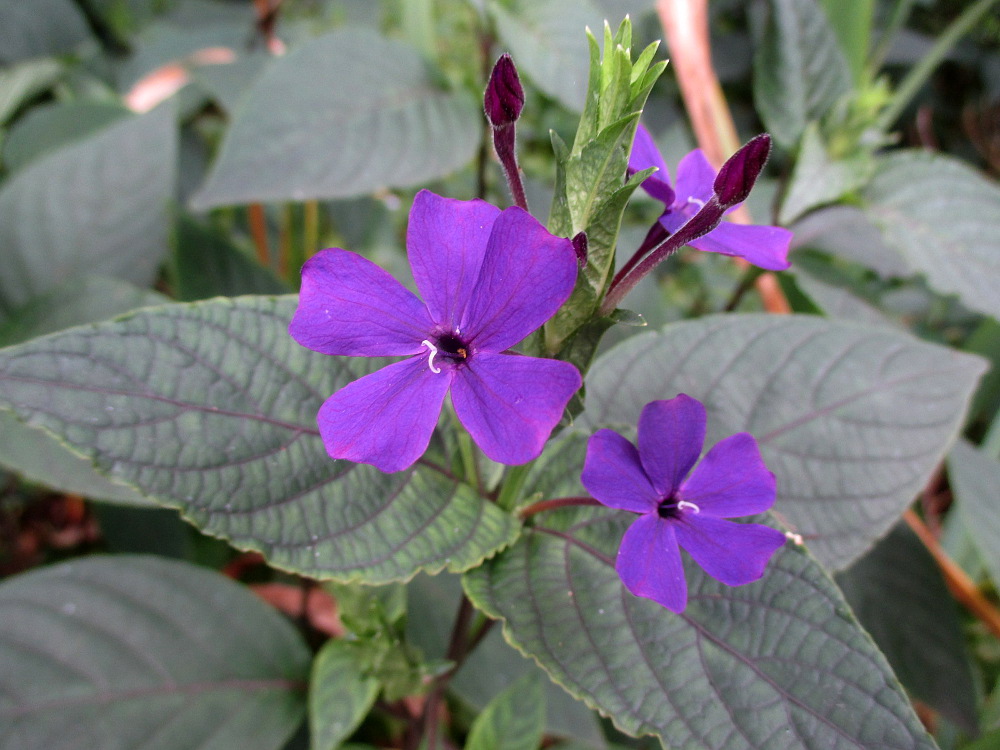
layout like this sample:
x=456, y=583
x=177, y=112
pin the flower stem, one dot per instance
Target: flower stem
x=310, y=229
x=505, y=143
x=961, y=586
x=512, y=483
x=559, y=502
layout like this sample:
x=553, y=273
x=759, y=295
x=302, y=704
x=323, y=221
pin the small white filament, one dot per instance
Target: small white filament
x=796, y=538
x=696, y=201
x=430, y=359
x=686, y=504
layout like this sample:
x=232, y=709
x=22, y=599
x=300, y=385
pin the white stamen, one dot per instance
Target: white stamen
x=796, y=538
x=696, y=201
x=430, y=359
x=682, y=504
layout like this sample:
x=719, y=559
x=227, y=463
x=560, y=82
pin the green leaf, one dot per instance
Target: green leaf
x=378, y=120
x=975, y=477
x=97, y=206
x=548, y=41
x=898, y=594
x=944, y=218
x=211, y=408
x=34, y=454
x=135, y=652
x=83, y=299
x=799, y=69
x=21, y=82
x=48, y=127
x=514, y=720
x=852, y=23
x=780, y=663
x=817, y=179
x=206, y=264
x=836, y=302
x=849, y=233
x=852, y=420
x=340, y=693
x=39, y=28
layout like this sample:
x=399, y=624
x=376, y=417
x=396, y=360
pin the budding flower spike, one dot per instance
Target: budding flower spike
x=763, y=246
x=677, y=510
x=488, y=278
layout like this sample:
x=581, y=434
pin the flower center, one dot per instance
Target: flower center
x=671, y=507
x=448, y=347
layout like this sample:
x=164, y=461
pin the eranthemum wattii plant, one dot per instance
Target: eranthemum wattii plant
x=450, y=467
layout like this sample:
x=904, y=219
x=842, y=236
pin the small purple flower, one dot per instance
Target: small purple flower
x=764, y=246
x=488, y=278
x=730, y=481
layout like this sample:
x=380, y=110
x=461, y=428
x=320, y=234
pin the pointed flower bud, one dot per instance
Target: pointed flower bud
x=504, y=96
x=740, y=172
x=580, y=245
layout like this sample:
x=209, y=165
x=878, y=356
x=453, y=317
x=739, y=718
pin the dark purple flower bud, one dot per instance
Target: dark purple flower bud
x=740, y=172
x=504, y=96
x=580, y=246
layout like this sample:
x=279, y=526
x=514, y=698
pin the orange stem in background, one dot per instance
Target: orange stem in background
x=258, y=230
x=685, y=26
x=961, y=586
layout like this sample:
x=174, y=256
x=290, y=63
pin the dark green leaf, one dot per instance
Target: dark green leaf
x=340, y=693
x=39, y=28
x=975, y=479
x=83, y=299
x=206, y=264
x=799, y=69
x=378, y=120
x=211, y=408
x=548, y=41
x=836, y=302
x=21, y=82
x=34, y=454
x=780, y=663
x=897, y=592
x=514, y=720
x=229, y=84
x=848, y=233
x=944, y=218
x=852, y=420
x=140, y=652
x=96, y=206
x=48, y=127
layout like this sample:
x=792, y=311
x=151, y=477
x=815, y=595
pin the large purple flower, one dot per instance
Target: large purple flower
x=764, y=246
x=488, y=278
x=730, y=481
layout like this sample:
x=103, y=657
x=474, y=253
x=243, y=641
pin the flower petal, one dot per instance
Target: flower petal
x=510, y=404
x=350, y=306
x=445, y=242
x=731, y=480
x=764, y=246
x=613, y=474
x=649, y=562
x=526, y=276
x=385, y=419
x=734, y=553
x=671, y=434
x=695, y=177
x=644, y=155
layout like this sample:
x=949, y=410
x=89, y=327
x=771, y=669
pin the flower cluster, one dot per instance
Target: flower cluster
x=488, y=278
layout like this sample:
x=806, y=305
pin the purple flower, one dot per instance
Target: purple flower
x=730, y=481
x=488, y=278
x=764, y=246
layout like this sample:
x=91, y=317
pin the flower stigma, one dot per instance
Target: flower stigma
x=430, y=359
